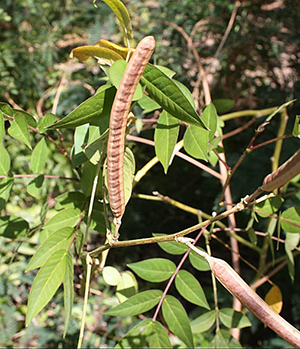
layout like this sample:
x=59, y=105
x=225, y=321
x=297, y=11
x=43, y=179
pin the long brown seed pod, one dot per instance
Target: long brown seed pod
x=244, y=293
x=118, y=121
x=283, y=174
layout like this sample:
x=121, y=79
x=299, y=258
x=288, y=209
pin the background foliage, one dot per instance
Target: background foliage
x=257, y=68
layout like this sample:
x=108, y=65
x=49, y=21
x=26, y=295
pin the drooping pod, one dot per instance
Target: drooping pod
x=118, y=122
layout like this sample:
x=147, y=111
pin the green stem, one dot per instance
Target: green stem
x=239, y=114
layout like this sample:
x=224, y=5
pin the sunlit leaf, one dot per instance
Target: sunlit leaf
x=59, y=240
x=204, y=322
x=274, y=299
x=45, y=121
x=122, y=51
x=158, y=337
x=198, y=262
x=210, y=118
x=111, y=276
x=189, y=287
x=165, y=138
x=46, y=283
x=80, y=138
x=4, y=161
x=68, y=291
x=5, y=189
x=219, y=342
x=154, y=270
x=19, y=129
x=171, y=247
x=129, y=170
x=137, y=304
x=127, y=286
x=103, y=54
x=34, y=187
x=269, y=206
x=290, y=220
x=291, y=241
x=39, y=156
x=65, y=218
x=6, y=109
x=148, y=104
x=177, y=320
x=196, y=142
x=233, y=319
x=70, y=199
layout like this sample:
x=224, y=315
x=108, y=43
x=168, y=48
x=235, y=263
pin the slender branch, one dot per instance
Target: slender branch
x=244, y=113
x=239, y=129
x=36, y=175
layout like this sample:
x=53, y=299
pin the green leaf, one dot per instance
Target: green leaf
x=89, y=111
x=296, y=128
x=158, y=337
x=269, y=206
x=210, y=118
x=46, y=283
x=59, y=240
x=65, y=218
x=19, y=129
x=6, y=109
x=4, y=161
x=165, y=138
x=5, y=189
x=127, y=287
x=87, y=179
x=70, y=199
x=291, y=241
x=34, y=187
x=223, y=105
x=129, y=170
x=1, y=127
x=290, y=220
x=28, y=117
x=39, y=156
x=68, y=291
x=13, y=227
x=204, y=322
x=137, y=336
x=166, y=93
x=219, y=342
x=137, y=304
x=186, y=92
x=154, y=270
x=171, y=247
x=198, y=262
x=170, y=73
x=45, y=121
x=103, y=54
x=93, y=150
x=177, y=320
x=196, y=142
x=189, y=287
x=122, y=14
x=111, y=276
x=148, y=104
x=115, y=74
x=80, y=138
x=234, y=319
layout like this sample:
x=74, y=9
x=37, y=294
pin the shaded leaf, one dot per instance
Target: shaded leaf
x=39, y=156
x=166, y=93
x=189, y=287
x=219, y=341
x=46, y=283
x=59, y=240
x=274, y=299
x=290, y=220
x=177, y=320
x=129, y=170
x=19, y=129
x=154, y=270
x=34, y=187
x=171, y=247
x=196, y=142
x=65, y=218
x=291, y=241
x=210, y=119
x=204, y=322
x=13, y=227
x=6, y=109
x=1, y=127
x=148, y=104
x=70, y=199
x=111, y=276
x=4, y=161
x=233, y=319
x=137, y=336
x=158, y=337
x=198, y=262
x=68, y=291
x=269, y=206
x=80, y=138
x=137, y=304
x=223, y=105
x=45, y=121
x=127, y=287
x=165, y=138
x=296, y=128
x=5, y=189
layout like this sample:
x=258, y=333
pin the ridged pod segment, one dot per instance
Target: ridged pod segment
x=118, y=122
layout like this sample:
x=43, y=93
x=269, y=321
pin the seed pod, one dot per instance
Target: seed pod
x=118, y=121
x=283, y=174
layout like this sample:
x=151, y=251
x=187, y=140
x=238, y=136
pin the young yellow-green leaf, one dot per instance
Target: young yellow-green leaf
x=196, y=142
x=177, y=320
x=123, y=16
x=269, y=206
x=127, y=287
x=115, y=74
x=198, y=262
x=210, y=118
x=103, y=54
x=47, y=120
x=120, y=50
x=4, y=161
x=5, y=189
x=90, y=110
x=204, y=322
x=137, y=304
x=129, y=170
x=158, y=337
x=13, y=227
x=65, y=218
x=186, y=92
x=154, y=270
x=68, y=291
x=137, y=336
x=1, y=127
x=19, y=129
x=34, y=187
x=296, y=128
x=223, y=105
x=165, y=138
x=233, y=319
x=46, y=283
x=111, y=276
x=274, y=299
x=39, y=156
x=59, y=240
x=189, y=287
x=169, y=96
x=290, y=220
x=171, y=247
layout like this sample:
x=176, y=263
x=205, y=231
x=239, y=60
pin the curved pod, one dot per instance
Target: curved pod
x=118, y=122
